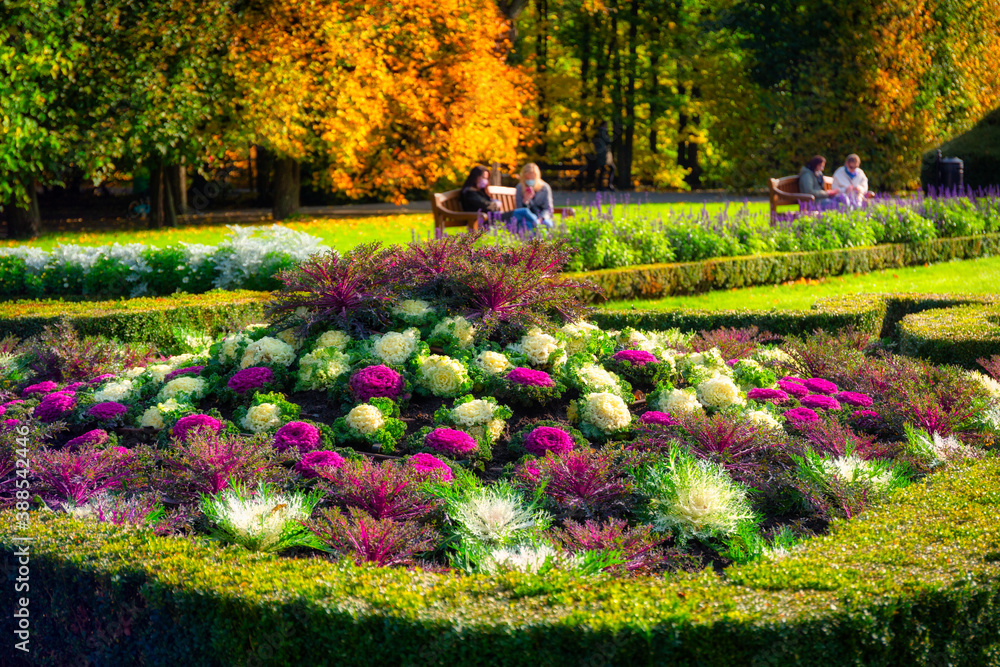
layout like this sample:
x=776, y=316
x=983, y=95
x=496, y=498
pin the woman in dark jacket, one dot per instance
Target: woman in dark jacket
x=811, y=183
x=476, y=198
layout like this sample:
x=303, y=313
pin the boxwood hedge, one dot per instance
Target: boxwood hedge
x=952, y=335
x=156, y=320
x=659, y=280
x=916, y=581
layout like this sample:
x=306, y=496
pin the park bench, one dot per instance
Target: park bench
x=447, y=208
x=784, y=191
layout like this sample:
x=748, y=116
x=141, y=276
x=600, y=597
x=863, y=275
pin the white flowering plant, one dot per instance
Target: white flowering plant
x=601, y=416
x=749, y=374
x=262, y=519
x=586, y=376
x=538, y=349
x=441, y=375
x=692, y=498
x=395, y=348
x=324, y=368
x=487, y=363
x=584, y=338
x=641, y=369
x=413, y=312
x=933, y=450
x=266, y=412
x=482, y=418
x=374, y=423
x=454, y=336
x=842, y=486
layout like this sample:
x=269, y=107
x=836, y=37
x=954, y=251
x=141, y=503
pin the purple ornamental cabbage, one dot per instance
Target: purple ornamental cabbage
x=548, y=439
x=854, y=398
x=297, y=435
x=187, y=426
x=107, y=410
x=102, y=378
x=801, y=415
x=95, y=438
x=190, y=370
x=450, y=442
x=657, y=418
x=820, y=386
x=251, y=378
x=55, y=406
x=820, y=401
x=46, y=387
x=530, y=377
x=308, y=464
x=426, y=464
x=793, y=388
x=635, y=357
x=376, y=382
x=769, y=395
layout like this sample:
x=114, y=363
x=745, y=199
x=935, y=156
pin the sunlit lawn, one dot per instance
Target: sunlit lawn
x=973, y=276
x=340, y=233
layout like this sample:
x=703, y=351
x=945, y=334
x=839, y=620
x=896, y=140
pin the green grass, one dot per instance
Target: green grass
x=340, y=233
x=958, y=277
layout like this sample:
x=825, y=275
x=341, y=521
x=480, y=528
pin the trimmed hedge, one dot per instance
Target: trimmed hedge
x=952, y=335
x=659, y=280
x=916, y=581
x=154, y=320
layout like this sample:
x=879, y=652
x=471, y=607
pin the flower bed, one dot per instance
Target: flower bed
x=248, y=259
x=550, y=459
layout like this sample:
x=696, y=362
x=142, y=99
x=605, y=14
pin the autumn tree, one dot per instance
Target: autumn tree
x=881, y=79
x=388, y=98
x=40, y=51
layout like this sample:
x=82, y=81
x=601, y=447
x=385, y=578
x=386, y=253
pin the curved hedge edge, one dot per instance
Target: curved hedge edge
x=952, y=335
x=153, y=320
x=914, y=582
x=659, y=280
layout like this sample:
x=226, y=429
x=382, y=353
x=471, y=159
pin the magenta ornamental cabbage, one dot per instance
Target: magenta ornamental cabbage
x=190, y=370
x=793, y=388
x=530, y=377
x=801, y=415
x=55, y=406
x=95, y=437
x=635, y=357
x=46, y=387
x=820, y=386
x=658, y=418
x=450, y=442
x=854, y=398
x=376, y=382
x=548, y=439
x=187, y=426
x=769, y=395
x=426, y=464
x=820, y=401
x=297, y=435
x=249, y=379
x=106, y=410
x=309, y=464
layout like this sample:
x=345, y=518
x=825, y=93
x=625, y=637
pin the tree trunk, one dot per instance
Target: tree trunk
x=156, y=209
x=542, y=58
x=26, y=222
x=177, y=175
x=265, y=164
x=286, y=188
x=169, y=208
x=628, y=141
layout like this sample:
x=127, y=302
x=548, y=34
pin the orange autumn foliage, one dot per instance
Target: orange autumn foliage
x=388, y=97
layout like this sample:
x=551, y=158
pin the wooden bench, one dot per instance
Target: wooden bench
x=447, y=208
x=784, y=191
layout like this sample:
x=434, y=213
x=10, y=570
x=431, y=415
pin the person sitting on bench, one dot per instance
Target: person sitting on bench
x=535, y=194
x=851, y=181
x=476, y=199
x=811, y=183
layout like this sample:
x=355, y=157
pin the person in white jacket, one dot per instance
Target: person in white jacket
x=851, y=181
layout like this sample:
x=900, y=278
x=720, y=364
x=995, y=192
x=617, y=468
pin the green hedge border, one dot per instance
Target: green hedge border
x=958, y=335
x=152, y=320
x=660, y=280
x=916, y=581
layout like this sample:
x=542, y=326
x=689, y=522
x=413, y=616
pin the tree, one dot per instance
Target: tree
x=387, y=97
x=40, y=50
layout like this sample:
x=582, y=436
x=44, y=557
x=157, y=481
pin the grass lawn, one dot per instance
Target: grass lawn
x=972, y=277
x=340, y=233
